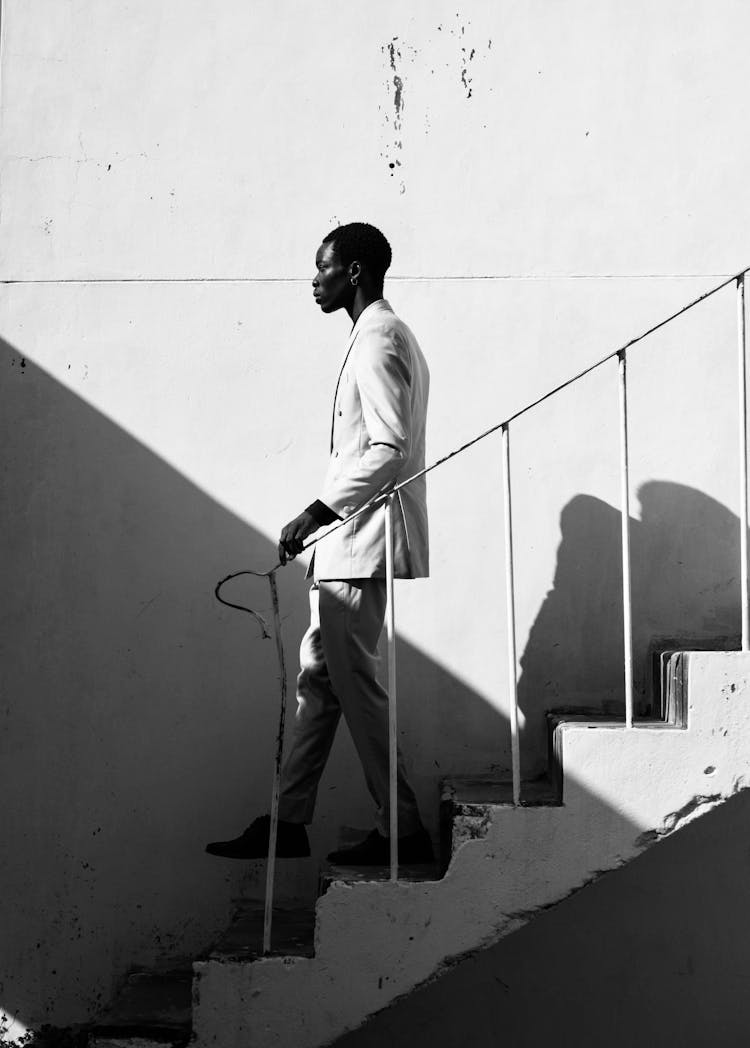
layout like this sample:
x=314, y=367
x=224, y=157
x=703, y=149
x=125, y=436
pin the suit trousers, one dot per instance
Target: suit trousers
x=338, y=665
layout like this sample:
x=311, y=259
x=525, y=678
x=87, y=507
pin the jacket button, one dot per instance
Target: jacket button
x=335, y=454
x=341, y=413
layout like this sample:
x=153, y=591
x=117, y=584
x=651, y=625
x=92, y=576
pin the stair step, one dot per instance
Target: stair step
x=295, y=883
x=292, y=934
x=467, y=791
x=466, y=804
x=672, y=687
x=413, y=872
x=152, y=1008
x=349, y=836
x=558, y=719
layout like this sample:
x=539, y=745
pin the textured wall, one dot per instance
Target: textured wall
x=554, y=179
x=648, y=954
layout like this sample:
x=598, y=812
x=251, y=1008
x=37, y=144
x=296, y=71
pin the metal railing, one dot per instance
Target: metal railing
x=387, y=499
x=504, y=428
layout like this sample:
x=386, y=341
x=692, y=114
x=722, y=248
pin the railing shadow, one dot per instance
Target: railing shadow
x=685, y=587
x=648, y=946
x=140, y=716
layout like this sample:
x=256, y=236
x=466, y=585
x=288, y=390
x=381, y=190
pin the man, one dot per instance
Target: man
x=377, y=439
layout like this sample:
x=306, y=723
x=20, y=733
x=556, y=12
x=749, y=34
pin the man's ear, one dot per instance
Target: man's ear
x=355, y=271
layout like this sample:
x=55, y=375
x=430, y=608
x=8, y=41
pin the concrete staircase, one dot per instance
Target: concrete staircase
x=611, y=793
x=153, y=1008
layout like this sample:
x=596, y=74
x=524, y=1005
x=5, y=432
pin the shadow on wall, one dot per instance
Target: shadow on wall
x=139, y=716
x=685, y=591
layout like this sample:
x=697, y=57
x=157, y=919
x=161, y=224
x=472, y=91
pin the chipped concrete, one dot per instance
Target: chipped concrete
x=677, y=819
x=624, y=790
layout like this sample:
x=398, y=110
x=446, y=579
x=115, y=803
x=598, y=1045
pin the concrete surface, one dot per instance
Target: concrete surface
x=646, y=955
x=624, y=790
x=151, y=1009
x=563, y=177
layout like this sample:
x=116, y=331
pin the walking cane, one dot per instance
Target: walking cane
x=274, y=824
x=386, y=497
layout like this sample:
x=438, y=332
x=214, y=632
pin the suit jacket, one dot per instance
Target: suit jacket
x=377, y=440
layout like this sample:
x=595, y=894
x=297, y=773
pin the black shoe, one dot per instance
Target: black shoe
x=291, y=841
x=375, y=850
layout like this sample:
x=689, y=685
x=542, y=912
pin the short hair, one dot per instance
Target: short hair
x=361, y=242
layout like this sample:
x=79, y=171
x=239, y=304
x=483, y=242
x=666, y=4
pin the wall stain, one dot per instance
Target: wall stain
x=398, y=84
x=468, y=55
x=395, y=85
x=398, y=55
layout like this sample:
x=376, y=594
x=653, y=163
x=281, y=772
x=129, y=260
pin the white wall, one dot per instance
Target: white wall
x=564, y=176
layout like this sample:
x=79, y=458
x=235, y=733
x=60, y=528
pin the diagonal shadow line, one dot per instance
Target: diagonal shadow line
x=136, y=708
x=651, y=954
x=139, y=715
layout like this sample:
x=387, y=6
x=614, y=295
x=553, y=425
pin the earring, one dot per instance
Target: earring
x=353, y=281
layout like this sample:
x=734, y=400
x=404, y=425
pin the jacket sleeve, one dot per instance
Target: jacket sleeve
x=382, y=370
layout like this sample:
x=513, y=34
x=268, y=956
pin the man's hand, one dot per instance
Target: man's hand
x=294, y=535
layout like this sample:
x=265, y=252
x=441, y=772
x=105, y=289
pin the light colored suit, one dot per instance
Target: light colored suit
x=377, y=440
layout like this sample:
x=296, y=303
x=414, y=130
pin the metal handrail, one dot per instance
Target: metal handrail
x=383, y=496
x=388, y=497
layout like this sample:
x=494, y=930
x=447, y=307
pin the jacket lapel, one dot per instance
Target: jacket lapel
x=352, y=340
x=381, y=303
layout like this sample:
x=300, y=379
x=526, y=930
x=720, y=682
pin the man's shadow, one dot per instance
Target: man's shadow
x=685, y=570
x=139, y=715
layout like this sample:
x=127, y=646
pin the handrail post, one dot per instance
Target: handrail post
x=627, y=597
x=390, y=619
x=742, y=361
x=511, y=617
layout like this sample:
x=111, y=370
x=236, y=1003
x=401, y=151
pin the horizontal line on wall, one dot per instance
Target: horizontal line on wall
x=577, y=276
x=390, y=279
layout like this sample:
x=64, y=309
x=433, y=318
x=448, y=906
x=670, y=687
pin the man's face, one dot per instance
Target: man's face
x=332, y=288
